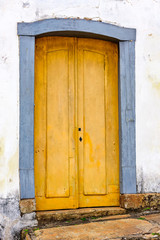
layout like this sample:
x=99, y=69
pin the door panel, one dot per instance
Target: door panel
x=76, y=123
x=55, y=170
x=94, y=124
x=98, y=117
x=57, y=124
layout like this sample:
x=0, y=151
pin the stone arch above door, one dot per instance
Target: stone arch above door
x=80, y=28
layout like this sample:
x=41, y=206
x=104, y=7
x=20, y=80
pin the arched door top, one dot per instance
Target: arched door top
x=78, y=27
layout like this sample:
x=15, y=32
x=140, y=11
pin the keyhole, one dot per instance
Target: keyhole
x=80, y=139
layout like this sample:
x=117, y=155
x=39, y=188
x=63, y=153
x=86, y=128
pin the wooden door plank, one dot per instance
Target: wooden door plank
x=54, y=117
x=98, y=117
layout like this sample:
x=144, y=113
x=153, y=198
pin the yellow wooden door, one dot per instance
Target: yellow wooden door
x=76, y=123
x=98, y=153
x=55, y=167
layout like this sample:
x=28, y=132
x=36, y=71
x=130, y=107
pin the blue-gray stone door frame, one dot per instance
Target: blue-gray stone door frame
x=79, y=28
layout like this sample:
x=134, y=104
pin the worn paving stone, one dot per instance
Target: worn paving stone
x=153, y=217
x=116, y=229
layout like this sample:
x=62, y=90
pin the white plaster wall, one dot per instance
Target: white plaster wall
x=140, y=14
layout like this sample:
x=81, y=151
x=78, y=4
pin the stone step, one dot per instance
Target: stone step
x=129, y=227
x=45, y=217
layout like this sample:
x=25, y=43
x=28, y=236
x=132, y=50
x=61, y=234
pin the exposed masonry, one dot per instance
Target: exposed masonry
x=11, y=221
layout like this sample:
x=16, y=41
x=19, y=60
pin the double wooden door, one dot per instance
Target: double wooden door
x=76, y=123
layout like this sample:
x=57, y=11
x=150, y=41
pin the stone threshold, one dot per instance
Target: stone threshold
x=45, y=217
